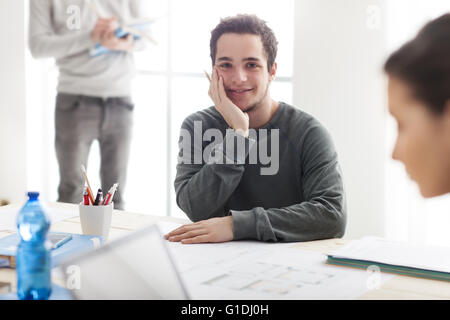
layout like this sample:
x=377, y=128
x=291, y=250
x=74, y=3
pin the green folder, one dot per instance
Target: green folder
x=407, y=271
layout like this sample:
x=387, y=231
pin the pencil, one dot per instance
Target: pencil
x=94, y=8
x=89, y=190
x=207, y=75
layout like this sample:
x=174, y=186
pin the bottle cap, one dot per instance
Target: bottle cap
x=33, y=195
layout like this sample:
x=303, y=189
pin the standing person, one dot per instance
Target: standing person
x=234, y=196
x=419, y=100
x=94, y=92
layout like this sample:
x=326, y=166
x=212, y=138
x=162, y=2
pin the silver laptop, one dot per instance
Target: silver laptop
x=137, y=266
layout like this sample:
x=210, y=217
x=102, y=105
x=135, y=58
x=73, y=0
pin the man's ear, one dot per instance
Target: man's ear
x=273, y=71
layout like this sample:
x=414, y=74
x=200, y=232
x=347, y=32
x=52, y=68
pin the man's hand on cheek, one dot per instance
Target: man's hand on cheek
x=211, y=230
x=234, y=116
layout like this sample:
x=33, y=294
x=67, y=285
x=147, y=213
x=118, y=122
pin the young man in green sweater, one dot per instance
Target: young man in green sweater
x=296, y=194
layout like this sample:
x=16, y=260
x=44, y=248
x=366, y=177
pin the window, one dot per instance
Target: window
x=168, y=90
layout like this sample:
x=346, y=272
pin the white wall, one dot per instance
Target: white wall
x=12, y=103
x=339, y=52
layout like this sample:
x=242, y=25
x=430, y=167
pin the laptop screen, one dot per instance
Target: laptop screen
x=137, y=266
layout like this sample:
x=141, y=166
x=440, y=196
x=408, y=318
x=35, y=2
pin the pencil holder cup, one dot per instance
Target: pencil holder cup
x=96, y=220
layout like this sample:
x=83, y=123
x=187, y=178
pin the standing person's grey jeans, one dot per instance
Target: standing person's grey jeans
x=79, y=120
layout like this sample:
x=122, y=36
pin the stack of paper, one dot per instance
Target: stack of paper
x=396, y=257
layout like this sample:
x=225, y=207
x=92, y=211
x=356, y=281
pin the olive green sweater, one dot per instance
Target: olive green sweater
x=304, y=200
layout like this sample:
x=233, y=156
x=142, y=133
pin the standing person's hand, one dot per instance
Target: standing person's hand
x=111, y=42
x=103, y=27
x=235, y=117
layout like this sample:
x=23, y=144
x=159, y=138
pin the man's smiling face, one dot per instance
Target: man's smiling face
x=242, y=62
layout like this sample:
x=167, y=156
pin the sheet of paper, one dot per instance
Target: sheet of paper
x=258, y=270
x=165, y=227
x=397, y=253
x=8, y=215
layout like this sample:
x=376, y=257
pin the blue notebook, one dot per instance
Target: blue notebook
x=58, y=293
x=77, y=244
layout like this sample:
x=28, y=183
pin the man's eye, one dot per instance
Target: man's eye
x=225, y=65
x=252, y=65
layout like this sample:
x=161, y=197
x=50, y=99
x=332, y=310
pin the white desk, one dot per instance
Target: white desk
x=399, y=287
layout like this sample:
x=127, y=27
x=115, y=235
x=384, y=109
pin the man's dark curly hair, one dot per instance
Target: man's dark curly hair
x=246, y=24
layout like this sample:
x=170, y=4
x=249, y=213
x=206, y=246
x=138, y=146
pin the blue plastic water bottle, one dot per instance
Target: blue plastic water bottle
x=33, y=253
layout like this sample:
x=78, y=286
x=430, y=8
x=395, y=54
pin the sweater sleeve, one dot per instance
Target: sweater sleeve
x=323, y=212
x=43, y=41
x=202, y=190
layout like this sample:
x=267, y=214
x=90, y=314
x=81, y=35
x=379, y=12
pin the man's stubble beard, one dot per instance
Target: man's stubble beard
x=257, y=105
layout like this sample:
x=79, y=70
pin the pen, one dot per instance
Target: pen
x=207, y=75
x=94, y=8
x=89, y=190
x=110, y=194
x=86, y=201
x=62, y=241
x=99, y=197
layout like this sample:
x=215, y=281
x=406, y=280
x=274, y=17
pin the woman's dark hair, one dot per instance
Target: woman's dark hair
x=424, y=64
x=246, y=24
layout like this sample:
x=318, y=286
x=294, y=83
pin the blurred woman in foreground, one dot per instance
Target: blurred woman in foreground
x=419, y=99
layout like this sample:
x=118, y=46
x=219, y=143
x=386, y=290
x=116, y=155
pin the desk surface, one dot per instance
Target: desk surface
x=399, y=287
